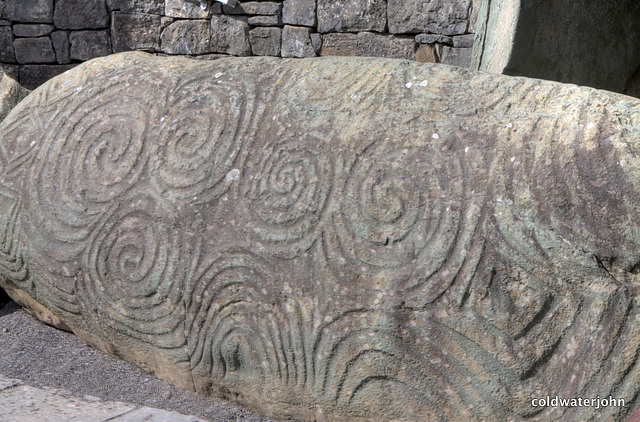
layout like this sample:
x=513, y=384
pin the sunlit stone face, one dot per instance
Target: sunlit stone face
x=353, y=239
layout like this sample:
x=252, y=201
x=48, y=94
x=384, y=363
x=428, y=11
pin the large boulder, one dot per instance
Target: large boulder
x=335, y=238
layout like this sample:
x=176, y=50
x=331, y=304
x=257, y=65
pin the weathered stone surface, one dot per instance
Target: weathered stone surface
x=434, y=38
x=296, y=42
x=456, y=56
x=7, y=52
x=86, y=45
x=32, y=30
x=436, y=16
x=187, y=37
x=299, y=12
x=266, y=41
x=154, y=7
x=11, y=93
x=254, y=8
x=11, y=70
x=189, y=9
x=85, y=14
x=368, y=44
x=230, y=35
x=340, y=239
x=589, y=42
x=61, y=46
x=351, y=16
x=264, y=20
x=463, y=41
x=34, y=75
x=34, y=50
x=135, y=31
x=29, y=11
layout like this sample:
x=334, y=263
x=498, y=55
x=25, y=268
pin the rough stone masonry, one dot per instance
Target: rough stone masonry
x=334, y=238
x=42, y=38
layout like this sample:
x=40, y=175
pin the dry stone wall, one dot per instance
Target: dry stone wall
x=42, y=38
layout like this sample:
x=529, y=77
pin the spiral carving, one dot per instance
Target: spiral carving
x=85, y=164
x=288, y=184
x=137, y=265
x=198, y=142
x=399, y=202
x=229, y=324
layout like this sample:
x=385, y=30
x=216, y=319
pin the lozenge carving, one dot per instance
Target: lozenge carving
x=334, y=238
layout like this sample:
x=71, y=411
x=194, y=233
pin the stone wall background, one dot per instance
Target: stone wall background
x=42, y=38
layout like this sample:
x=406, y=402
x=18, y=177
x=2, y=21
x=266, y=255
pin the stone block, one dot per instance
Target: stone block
x=230, y=35
x=135, y=31
x=426, y=54
x=32, y=30
x=299, y=12
x=153, y=7
x=61, y=46
x=296, y=42
x=32, y=76
x=444, y=17
x=434, y=38
x=29, y=11
x=316, y=42
x=351, y=16
x=254, y=8
x=85, y=14
x=4, y=22
x=34, y=50
x=456, y=56
x=273, y=20
x=189, y=9
x=186, y=37
x=265, y=41
x=463, y=41
x=11, y=70
x=368, y=44
x=87, y=45
x=7, y=52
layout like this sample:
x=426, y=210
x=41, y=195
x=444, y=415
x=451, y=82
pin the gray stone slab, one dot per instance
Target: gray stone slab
x=34, y=50
x=7, y=52
x=135, y=31
x=296, y=42
x=592, y=43
x=299, y=12
x=187, y=37
x=463, y=41
x=87, y=45
x=85, y=14
x=34, y=75
x=266, y=41
x=368, y=44
x=351, y=16
x=456, y=56
x=274, y=20
x=189, y=9
x=434, y=38
x=11, y=93
x=154, y=7
x=230, y=35
x=254, y=8
x=28, y=11
x=61, y=46
x=443, y=17
x=32, y=30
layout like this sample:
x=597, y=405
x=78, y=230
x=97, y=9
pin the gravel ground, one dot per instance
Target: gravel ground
x=43, y=356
